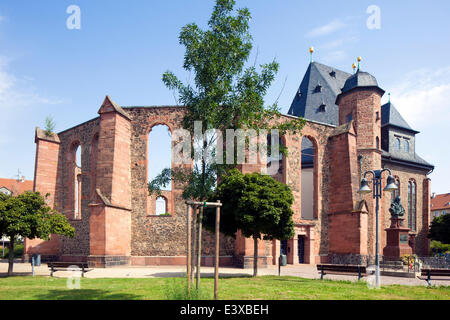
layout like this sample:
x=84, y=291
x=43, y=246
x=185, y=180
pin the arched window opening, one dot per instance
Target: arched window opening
x=397, y=144
x=308, y=180
x=274, y=160
x=77, y=178
x=396, y=193
x=159, y=158
x=412, y=197
x=406, y=146
x=161, y=206
x=77, y=211
x=159, y=153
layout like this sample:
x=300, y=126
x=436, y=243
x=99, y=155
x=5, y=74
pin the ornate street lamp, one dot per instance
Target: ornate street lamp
x=365, y=189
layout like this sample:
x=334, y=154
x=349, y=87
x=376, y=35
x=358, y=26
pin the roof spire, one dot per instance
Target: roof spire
x=389, y=95
x=359, y=62
x=354, y=67
x=311, y=51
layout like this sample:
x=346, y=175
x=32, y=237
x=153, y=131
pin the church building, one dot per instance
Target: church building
x=103, y=191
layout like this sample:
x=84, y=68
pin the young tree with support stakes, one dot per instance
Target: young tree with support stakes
x=224, y=94
x=256, y=204
x=27, y=215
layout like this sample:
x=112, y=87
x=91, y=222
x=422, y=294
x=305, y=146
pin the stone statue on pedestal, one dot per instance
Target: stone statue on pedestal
x=396, y=235
x=397, y=209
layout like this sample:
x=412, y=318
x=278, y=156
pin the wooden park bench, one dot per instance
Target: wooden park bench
x=342, y=269
x=428, y=273
x=59, y=266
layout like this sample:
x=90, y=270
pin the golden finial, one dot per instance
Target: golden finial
x=359, y=59
x=359, y=62
x=311, y=50
x=354, y=67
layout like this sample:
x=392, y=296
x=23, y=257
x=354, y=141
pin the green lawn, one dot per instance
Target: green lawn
x=265, y=287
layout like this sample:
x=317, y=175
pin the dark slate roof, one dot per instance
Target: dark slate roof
x=360, y=79
x=308, y=104
x=416, y=162
x=391, y=116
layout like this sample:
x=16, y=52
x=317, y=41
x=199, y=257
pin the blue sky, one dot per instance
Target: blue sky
x=124, y=47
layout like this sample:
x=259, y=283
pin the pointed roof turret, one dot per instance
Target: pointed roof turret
x=360, y=79
x=391, y=117
x=110, y=106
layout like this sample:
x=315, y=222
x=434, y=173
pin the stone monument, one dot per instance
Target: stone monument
x=397, y=242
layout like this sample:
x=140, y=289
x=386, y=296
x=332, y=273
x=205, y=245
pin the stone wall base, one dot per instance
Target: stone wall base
x=206, y=261
x=351, y=259
x=26, y=258
x=108, y=261
x=73, y=258
x=246, y=262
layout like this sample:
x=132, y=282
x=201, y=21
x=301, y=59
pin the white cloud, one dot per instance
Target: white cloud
x=16, y=93
x=423, y=99
x=333, y=56
x=330, y=27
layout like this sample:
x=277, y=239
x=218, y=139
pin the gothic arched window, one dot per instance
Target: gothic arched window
x=412, y=197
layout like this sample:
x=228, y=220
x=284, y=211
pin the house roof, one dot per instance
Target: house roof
x=360, y=79
x=440, y=201
x=391, y=116
x=417, y=161
x=320, y=86
x=16, y=186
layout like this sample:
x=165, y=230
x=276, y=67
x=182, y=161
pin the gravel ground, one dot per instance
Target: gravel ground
x=304, y=271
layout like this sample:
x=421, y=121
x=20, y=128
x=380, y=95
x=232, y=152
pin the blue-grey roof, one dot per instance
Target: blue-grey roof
x=360, y=79
x=417, y=161
x=332, y=83
x=391, y=116
x=316, y=98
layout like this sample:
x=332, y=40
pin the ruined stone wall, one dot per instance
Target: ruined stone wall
x=83, y=135
x=318, y=135
x=159, y=236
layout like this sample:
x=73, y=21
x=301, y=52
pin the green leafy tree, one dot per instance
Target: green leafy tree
x=440, y=229
x=224, y=93
x=256, y=204
x=27, y=215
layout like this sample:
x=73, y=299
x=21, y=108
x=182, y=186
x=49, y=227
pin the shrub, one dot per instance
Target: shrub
x=438, y=247
x=18, y=251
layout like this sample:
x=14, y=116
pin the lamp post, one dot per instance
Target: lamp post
x=365, y=189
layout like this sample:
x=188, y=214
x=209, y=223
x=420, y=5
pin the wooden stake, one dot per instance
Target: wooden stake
x=188, y=247
x=216, y=267
x=194, y=240
x=199, y=246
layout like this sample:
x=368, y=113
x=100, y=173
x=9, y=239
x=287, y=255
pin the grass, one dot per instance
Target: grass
x=265, y=287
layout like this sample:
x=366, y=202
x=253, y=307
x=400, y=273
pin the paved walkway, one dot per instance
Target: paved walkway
x=304, y=271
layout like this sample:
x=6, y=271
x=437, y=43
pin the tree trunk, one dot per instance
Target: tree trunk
x=11, y=256
x=255, y=255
